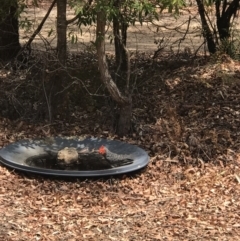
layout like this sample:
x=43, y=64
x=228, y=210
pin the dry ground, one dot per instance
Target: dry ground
x=187, y=118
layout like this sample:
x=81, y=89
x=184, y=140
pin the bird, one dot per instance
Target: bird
x=69, y=155
x=114, y=159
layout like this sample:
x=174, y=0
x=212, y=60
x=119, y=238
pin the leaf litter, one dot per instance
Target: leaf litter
x=188, y=122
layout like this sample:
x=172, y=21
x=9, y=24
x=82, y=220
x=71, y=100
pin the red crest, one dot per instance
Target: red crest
x=102, y=150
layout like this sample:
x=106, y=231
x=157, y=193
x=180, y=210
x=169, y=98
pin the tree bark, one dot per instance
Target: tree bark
x=9, y=35
x=224, y=19
x=62, y=31
x=206, y=29
x=120, y=41
x=124, y=102
x=124, y=121
x=58, y=98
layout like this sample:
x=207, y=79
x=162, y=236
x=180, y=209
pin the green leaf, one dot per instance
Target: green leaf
x=50, y=32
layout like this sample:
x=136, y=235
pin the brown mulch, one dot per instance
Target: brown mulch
x=187, y=118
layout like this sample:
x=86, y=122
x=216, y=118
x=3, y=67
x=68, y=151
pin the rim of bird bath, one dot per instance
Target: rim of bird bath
x=15, y=155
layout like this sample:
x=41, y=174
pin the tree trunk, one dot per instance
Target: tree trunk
x=62, y=31
x=225, y=12
x=205, y=27
x=224, y=19
x=124, y=103
x=120, y=41
x=117, y=44
x=124, y=121
x=9, y=35
x=58, y=98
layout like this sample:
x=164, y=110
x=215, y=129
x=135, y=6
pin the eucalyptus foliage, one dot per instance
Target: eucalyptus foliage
x=131, y=11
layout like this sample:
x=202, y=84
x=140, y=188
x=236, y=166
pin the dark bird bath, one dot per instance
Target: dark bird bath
x=40, y=156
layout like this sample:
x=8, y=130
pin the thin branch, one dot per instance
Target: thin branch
x=185, y=34
x=195, y=53
x=27, y=45
x=48, y=100
x=224, y=6
x=175, y=28
x=87, y=6
x=73, y=19
x=217, y=8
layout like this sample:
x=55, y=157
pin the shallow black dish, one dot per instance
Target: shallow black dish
x=32, y=156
